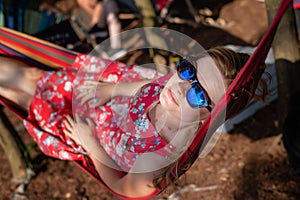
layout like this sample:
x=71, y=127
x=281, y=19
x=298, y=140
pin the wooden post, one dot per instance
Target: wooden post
x=287, y=54
x=10, y=142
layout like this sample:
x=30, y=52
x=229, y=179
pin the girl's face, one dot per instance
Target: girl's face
x=173, y=97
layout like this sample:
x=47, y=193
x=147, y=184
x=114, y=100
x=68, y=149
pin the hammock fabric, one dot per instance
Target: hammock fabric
x=36, y=52
x=242, y=88
x=52, y=57
x=296, y=4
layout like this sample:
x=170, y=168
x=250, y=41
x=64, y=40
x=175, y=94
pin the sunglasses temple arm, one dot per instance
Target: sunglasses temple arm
x=208, y=108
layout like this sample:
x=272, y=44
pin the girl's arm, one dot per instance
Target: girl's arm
x=129, y=185
x=128, y=88
x=104, y=91
x=135, y=183
x=138, y=182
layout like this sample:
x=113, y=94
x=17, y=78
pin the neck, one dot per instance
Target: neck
x=165, y=124
x=161, y=121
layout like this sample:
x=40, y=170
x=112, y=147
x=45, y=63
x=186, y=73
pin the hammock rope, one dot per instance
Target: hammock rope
x=17, y=44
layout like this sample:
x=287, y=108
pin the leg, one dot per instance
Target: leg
x=19, y=97
x=17, y=78
x=110, y=18
x=114, y=28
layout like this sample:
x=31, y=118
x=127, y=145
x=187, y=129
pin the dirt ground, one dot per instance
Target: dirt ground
x=249, y=163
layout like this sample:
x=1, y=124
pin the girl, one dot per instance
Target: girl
x=127, y=119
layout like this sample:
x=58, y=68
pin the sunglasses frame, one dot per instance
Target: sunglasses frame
x=194, y=81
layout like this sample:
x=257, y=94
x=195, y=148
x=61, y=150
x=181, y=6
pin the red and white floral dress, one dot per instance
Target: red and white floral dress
x=122, y=125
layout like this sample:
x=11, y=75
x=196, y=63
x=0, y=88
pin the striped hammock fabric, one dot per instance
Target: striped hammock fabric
x=35, y=51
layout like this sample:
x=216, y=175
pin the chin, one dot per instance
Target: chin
x=166, y=103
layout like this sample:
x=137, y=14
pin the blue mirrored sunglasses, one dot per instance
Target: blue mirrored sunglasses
x=196, y=96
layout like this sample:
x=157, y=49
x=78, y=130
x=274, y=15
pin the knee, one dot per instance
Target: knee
x=112, y=19
x=11, y=70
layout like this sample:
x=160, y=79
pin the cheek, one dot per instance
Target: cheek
x=189, y=114
x=165, y=102
x=193, y=115
x=173, y=80
x=162, y=97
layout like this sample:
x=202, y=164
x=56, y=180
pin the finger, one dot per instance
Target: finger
x=71, y=122
x=96, y=103
x=68, y=133
x=78, y=119
x=91, y=82
x=81, y=94
x=90, y=123
x=86, y=87
x=96, y=82
x=67, y=125
x=87, y=98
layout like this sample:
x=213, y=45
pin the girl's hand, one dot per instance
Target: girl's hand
x=98, y=92
x=80, y=131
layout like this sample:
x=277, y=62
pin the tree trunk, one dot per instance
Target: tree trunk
x=287, y=55
x=13, y=147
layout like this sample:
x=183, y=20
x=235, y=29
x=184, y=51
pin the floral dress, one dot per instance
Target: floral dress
x=122, y=125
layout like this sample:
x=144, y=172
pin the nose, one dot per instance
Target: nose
x=183, y=86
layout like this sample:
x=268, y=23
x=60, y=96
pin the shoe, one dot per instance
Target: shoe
x=114, y=54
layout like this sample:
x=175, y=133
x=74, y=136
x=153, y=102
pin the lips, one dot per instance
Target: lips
x=171, y=96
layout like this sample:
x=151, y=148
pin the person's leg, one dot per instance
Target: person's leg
x=114, y=28
x=19, y=97
x=110, y=14
x=18, y=79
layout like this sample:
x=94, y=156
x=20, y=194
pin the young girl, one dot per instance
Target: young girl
x=126, y=118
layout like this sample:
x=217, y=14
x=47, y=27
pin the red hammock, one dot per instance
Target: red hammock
x=242, y=88
x=51, y=57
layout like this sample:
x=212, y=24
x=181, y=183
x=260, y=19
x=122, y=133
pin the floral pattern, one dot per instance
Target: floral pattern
x=122, y=125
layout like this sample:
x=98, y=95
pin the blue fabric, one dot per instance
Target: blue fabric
x=46, y=20
x=1, y=13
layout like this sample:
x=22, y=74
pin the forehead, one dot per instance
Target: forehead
x=210, y=78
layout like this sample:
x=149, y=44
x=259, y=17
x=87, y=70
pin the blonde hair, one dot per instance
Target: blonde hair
x=229, y=63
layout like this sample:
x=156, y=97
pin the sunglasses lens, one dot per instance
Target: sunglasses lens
x=186, y=71
x=196, y=97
